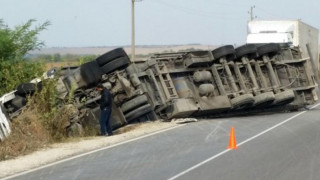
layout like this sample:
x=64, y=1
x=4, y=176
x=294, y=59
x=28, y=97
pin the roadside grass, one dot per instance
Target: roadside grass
x=28, y=134
x=39, y=124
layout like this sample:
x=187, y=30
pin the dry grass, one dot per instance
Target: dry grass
x=28, y=134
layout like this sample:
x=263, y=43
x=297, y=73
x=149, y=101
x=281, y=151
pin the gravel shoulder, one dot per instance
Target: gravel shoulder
x=61, y=151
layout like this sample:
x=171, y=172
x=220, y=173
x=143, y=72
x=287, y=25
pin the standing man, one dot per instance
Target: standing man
x=105, y=107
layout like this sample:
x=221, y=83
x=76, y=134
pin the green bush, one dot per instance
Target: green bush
x=14, y=45
x=15, y=72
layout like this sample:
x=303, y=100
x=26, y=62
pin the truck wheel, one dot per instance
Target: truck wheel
x=242, y=101
x=224, y=51
x=284, y=97
x=248, y=50
x=28, y=88
x=111, y=55
x=135, y=102
x=268, y=49
x=134, y=114
x=91, y=73
x=117, y=64
x=263, y=99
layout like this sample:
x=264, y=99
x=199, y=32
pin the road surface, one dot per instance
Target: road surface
x=271, y=146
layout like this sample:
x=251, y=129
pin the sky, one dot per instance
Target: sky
x=83, y=23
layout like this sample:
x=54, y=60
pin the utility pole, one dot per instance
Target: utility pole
x=132, y=32
x=133, y=43
x=251, y=12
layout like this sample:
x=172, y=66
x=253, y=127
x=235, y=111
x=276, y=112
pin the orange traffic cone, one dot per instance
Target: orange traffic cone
x=232, y=141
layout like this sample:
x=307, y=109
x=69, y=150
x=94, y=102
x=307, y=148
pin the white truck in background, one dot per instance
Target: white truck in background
x=294, y=32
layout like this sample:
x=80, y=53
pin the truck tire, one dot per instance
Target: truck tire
x=134, y=114
x=117, y=64
x=263, y=99
x=96, y=71
x=224, y=51
x=268, y=49
x=90, y=73
x=248, y=50
x=242, y=101
x=39, y=86
x=28, y=88
x=284, y=97
x=133, y=103
x=111, y=55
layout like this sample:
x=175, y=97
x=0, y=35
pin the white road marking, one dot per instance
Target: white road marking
x=243, y=142
x=90, y=152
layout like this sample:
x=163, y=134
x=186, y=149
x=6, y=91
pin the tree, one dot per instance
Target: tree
x=14, y=45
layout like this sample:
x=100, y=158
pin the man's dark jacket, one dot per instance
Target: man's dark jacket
x=106, y=99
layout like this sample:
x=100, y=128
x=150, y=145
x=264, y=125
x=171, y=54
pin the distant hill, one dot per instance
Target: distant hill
x=143, y=50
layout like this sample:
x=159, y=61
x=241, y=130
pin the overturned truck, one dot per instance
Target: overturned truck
x=225, y=81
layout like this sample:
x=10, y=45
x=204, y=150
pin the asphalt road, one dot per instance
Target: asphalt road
x=273, y=146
